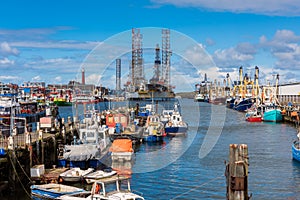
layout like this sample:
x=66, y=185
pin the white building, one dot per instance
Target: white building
x=289, y=93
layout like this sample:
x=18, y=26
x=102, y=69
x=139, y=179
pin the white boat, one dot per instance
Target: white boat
x=112, y=188
x=165, y=116
x=98, y=175
x=92, y=144
x=176, y=126
x=75, y=174
x=53, y=190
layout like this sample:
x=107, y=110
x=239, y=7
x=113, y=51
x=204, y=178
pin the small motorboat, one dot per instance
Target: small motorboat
x=75, y=174
x=103, y=190
x=53, y=190
x=253, y=117
x=98, y=175
x=176, y=126
x=296, y=148
x=121, y=149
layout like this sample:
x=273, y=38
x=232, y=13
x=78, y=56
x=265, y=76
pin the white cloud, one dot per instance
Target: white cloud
x=36, y=78
x=30, y=33
x=6, y=61
x=6, y=50
x=197, y=56
x=285, y=47
x=232, y=57
x=66, y=44
x=266, y=7
x=8, y=78
x=58, y=79
x=93, y=79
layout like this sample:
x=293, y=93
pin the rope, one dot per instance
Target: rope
x=22, y=167
x=219, y=177
x=15, y=171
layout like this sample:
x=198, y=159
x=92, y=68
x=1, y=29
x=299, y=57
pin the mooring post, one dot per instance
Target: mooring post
x=237, y=172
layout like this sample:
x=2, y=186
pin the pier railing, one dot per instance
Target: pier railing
x=18, y=141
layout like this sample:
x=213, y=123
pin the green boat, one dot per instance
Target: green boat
x=62, y=102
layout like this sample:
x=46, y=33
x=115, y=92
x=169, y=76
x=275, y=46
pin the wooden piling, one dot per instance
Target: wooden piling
x=237, y=172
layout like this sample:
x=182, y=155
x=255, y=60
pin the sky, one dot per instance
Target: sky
x=52, y=41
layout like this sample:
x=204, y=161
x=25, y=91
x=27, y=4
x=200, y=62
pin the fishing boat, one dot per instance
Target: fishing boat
x=62, y=102
x=272, y=114
x=119, y=124
x=176, y=126
x=121, y=149
x=154, y=130
x=242, y=104
x=117, y=187
x=253, y=117
x=253, y=114
x=166, y=115
x=75, y=174
x=91, y=148
x=98, y=175
x=53, y=190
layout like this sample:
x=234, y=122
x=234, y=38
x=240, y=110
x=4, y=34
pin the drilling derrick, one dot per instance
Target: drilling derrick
x=166, y=54
x=137, y=69
x=157, y=66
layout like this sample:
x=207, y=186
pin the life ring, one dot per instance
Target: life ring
x=95, y=92
x=60, y=180
x=97, y=189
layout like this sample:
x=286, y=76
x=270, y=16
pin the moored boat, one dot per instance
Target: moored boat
x=98, y=175
x=121, y=149
x=154, y=131
x=253, y=115
x=62, y=102
x=272, y=114
x=75, y=174
x=296, y=150
x=254, y=118
x=53, y=190
x=176, y=126
x=91, y=148
x=242, y=104
x=117, y=187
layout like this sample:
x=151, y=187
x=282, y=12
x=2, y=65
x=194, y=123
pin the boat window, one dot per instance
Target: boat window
x=90, y=134
x=123, y=119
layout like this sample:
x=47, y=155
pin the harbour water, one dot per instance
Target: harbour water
x=174, y=169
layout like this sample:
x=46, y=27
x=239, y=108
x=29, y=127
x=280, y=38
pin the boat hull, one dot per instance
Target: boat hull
x=254, y=119
x=153, y=138
x=176, y=130
x=296, y=151
x=272, y=116
x=243, y=105
x=52, y=190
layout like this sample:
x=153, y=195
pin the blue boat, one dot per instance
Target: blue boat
x=243, y=104
x=296, y=150
x=230, y=102
x=53, y=190
x=272, y=114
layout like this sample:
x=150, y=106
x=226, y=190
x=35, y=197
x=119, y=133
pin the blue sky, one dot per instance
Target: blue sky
x=50, y=40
